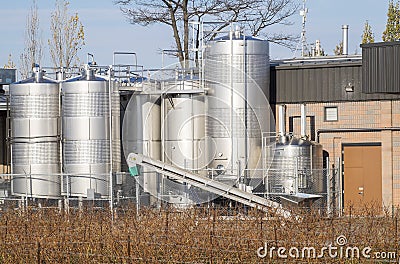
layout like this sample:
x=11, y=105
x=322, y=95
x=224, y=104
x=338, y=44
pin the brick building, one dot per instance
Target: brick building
x=353, y=110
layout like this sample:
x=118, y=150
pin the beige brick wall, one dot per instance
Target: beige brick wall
x=370, y=114
x=4, y=169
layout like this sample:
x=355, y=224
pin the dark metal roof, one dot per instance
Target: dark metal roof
x=381, y=67
x=325, y=79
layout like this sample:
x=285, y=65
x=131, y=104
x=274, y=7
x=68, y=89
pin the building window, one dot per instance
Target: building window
x=331, y=113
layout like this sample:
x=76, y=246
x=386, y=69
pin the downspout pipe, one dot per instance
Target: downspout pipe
x=282, y=119
x=303, y=121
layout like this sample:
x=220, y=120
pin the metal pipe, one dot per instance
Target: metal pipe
x=340, y=197
x=60, y=75
x=246, y=121
x=124, y=53
x=328, y=188
x=61, y=126
x=345, y=29
x=282, y=120
x=38, y=74
x=110, y=113
x=89, y=74
x=234, y=151
x=303, y=121
x=9, y=165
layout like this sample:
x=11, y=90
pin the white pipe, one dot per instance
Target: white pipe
x=282, y=119
x=303, y=121
x=345, y=29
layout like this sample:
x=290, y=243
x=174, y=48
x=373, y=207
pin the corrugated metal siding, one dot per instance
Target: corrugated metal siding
x=381, y=67
x=7, y=76
x=319, y=82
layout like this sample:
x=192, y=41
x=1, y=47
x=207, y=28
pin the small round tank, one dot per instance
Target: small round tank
x=296, y=158
x=35, y=137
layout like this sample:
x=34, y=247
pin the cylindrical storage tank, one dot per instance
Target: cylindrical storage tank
x=183, y=125
x=297, y=167
x=238, y=112
x=86, y=135
x=35, y=137
x=142, y=132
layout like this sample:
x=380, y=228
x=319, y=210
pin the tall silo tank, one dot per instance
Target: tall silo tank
x=296, y=158
x=35, y=137
x=141, y=131
x=183, y=125
x=86, y=135
x=238, y=112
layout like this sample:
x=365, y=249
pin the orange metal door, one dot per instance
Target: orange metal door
x=362, y=178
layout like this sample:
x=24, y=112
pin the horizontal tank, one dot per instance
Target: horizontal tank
x=35, y=137
x=297, y=167
x=86, y=135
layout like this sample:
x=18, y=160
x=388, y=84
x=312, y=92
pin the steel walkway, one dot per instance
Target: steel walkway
x=206, y=184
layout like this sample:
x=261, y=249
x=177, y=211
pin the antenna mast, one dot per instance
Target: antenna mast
x=303, y=14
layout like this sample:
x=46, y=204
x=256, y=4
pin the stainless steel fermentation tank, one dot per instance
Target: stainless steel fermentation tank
x=297, y=167
x=183, y=125
x=237, y=78
x=86, y=116
x=35, y=137
x=142, y=131
x=183, y=137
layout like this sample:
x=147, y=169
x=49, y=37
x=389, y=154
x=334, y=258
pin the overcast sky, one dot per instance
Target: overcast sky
x=106, y=30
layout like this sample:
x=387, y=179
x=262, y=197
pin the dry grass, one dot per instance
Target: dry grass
x=198, y=235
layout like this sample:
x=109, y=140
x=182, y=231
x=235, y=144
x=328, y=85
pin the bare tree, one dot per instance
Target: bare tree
x=67, y=36
x=254, y=15
x=32, y=53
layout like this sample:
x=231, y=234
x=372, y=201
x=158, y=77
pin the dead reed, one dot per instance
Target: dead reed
x=197, y=235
